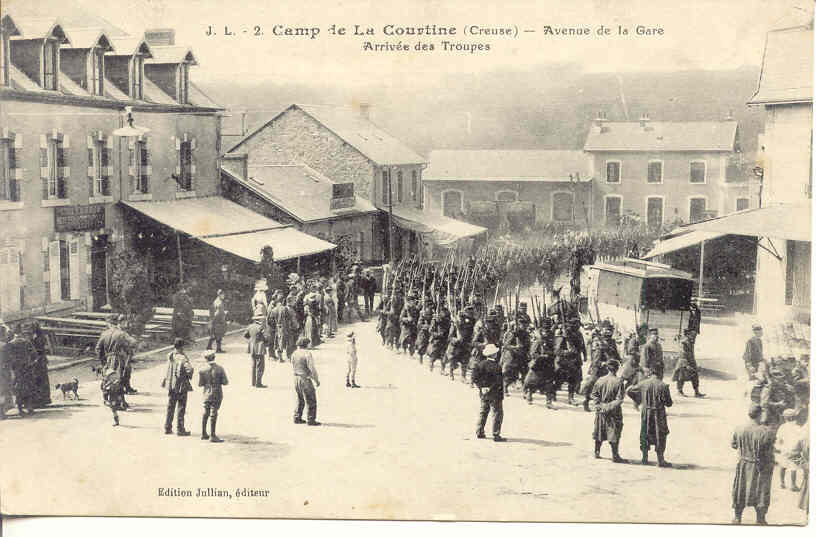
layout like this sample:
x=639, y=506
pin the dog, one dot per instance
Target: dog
x=68, y=388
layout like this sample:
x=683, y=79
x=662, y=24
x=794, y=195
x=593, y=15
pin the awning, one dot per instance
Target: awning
x=230, y=227
x=783, y=221
x=442, y=230
x=287, y=243
x=679, y=242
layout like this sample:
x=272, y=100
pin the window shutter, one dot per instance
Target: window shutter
x=4, y=276
x=63, y=171
x=54, y=270
x=91, y=168
x=10, y=273
x=73, y=267
x=14, y=161
x=44, y=165
x=132, y=162
x=66, y=141
x=178, y=161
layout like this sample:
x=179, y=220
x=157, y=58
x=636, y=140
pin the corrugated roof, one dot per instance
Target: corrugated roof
x=787, y=67
x=782, y=221
x=204, y=217
x=506, y=165
x=663, y=136
x=299, y=190
x=286, y=243
x=171, y=54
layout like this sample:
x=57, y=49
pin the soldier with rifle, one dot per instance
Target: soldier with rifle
x=426, y=315
x=541, y=372
x=408, y=324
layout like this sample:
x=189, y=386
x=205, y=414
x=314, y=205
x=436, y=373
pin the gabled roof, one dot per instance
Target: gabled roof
x=171, y=54
x=360, y=133
x=128, y=46
x=663, y=136
x=89, y=38
x=787, y=67
x=8, y=26
x=298, y=190
x=40, y=28
x=506, y=165
x=199, y=98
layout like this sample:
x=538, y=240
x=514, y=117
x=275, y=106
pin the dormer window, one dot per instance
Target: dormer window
x=4, y=59
x=137, y=77
x=183, y=77
x=96, y=69
x=50, y=64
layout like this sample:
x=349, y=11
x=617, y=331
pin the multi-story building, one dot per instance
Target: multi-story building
x=516, y=188
x=665, y=171
x=346, y=147
x=72, y=188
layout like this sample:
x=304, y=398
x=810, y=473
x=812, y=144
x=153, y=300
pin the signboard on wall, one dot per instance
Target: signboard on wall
x=342, y=196
x=79, y=217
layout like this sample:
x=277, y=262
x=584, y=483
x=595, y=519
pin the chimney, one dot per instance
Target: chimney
x=644, y=121
x=160, y=36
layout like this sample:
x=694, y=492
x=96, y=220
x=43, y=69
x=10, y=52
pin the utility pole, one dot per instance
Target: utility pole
x=390, y=219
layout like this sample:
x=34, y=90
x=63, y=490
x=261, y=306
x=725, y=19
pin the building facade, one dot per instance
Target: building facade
x=665, y=172
x=65, y=83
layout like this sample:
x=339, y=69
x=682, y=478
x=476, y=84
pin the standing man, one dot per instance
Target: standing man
x=42, y=386
x=351, y=357
x=305, y=375
x=752, y=356
x=218, y=321
x=687, y=365
x=754, y=443
x=20, y=354
x=651, y=354
x=488, y=377
x=256, y=347
x=182, y=315
x=211, y=380
x=177, y=382
x=340, y=292
x=653, y=396
x=607, y=397
x=369, y=288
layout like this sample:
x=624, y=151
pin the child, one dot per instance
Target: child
x=351, y=355
x=786, y=437
x=330, y=312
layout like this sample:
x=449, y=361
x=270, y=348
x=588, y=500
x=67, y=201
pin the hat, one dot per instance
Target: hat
x=209, y=356
x=490, y=350
x=178, y=343
x=523, y=306
x=789, y=413
x=220, y=292
x=756, y=327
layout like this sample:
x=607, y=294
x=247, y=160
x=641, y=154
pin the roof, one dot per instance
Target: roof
x=20, y=81
x=299, y=190
x=8, y=25
x=506, y=165
x=129, y=45
x=787, y=67
x=89, y=38
x=113, y=92
x=360, y=133
x=40, y=28
x=204, y=217
x=171, y=54
x=231, y=227
x=441, y=230
x=643, y=270
x=663, y=136
x=154, y=94
x=286, y=243
x=781, y=221
x=679, y=242
x=199, y=98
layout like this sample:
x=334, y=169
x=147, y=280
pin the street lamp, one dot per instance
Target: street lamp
x=130, y=129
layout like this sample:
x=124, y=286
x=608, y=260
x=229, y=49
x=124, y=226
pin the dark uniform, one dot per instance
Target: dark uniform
x=607, y=397
x=424, y=329
x=440, y=330
x=686, y=369
x=651, y=356
x=182, y=315
x=212, y=380
x=541, y=371
x=653, y=396
x=177, y=382
x=459, y=342
x=256, y=348
x=408, y=325
x=515, y=352
x=488, y=377
x=753, y=354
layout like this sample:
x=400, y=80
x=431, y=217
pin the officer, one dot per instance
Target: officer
x=211, y=380
x=651, y=354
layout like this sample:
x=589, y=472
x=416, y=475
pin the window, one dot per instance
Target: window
x=183, y=81
x=9, y=189
x=562, y=207
x=697, y=209
x=654, y=212
x=186, y=176
x=96, y=68
x=385, y=187
x=613, y=169
x=742, y=204
x=99, y=161
x=399, y=186
x=141, y=167
x=4, y=60
x=414, y=185
x=612, y=210
x=655, y=172
x=452, y=203
x=64, y=271
x=136, y=77
x=50, y=55
x=697, y=171
x=506, y=195
x=52, y=165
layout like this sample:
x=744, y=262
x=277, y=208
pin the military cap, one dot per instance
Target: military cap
x=178, y=343
x=209, y=356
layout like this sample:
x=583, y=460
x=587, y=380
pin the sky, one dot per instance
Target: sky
x=704, y=34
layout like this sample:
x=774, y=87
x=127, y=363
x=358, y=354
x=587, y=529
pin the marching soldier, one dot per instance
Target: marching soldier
x=603, y=350
x=177, y=382
x=459, y=342
x=541, y=371
x=440, y=331
x=408, y=324
x=424, y=328
x=516, y=350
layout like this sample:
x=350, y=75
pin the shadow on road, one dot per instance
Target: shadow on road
x=269, y=448
x=716, y=374
x=349, y=425
x=537, y=442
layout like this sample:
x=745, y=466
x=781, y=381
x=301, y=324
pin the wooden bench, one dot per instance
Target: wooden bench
x=61, y=332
